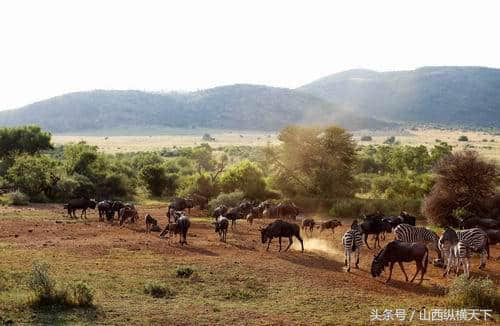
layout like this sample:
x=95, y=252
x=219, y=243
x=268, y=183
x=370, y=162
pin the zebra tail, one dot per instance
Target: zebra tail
x=353, y=245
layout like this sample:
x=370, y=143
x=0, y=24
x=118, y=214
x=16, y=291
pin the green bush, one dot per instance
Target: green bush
x=463, y=138
x=478, y=293
x=157, y=289
x=82, y=294
x=356, y=207
x=40, y=281
x=184, y=272
x=230, y=200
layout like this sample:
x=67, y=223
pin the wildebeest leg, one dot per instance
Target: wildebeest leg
x=301, y=242
x=366, y=242
x=403, y=269
x=269, y=244
x=290, y=241
x=419, y=268
x=280, y=243
x=390, y=271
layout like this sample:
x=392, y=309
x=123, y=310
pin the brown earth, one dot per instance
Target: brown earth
x=237, y=282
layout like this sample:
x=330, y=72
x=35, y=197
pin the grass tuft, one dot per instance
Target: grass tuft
x=158, y=290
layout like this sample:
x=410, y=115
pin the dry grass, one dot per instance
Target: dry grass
x=231, y=284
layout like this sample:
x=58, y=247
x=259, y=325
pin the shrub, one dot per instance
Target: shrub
x=230, y=200
x=356, y=207
x=154, y=179
x=82, y=294
x=478, y=293
x=40, y=281
x=366, y=138
x=184, y=272
x=157, y=289
x=18, y=198
x=463, y=138
x=485, y=140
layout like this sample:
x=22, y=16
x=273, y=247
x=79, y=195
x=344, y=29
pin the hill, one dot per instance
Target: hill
x=244, y=107
x=446, y=95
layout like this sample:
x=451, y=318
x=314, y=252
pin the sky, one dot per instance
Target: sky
x=48, y=48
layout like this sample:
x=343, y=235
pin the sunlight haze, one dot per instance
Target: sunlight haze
x=49, y=48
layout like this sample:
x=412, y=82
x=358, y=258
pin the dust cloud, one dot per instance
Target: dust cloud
x=318, y=245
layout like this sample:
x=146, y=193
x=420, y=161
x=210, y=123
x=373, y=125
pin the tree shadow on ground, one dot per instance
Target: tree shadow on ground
x=311, y=260
x=61, y=315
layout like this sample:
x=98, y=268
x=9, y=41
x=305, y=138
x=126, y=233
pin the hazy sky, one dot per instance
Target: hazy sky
x=52, y=47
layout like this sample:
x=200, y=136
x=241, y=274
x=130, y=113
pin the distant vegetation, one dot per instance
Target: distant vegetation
x=237, y=107
x=463, y=96
x=463, y=138
x=319, y=168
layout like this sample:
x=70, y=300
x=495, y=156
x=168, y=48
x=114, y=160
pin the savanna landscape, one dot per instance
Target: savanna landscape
x=249, y=162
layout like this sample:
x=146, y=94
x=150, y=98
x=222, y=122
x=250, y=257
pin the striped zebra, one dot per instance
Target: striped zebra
x=458, y=255
x=409, y=233
x=476, y=241
x=352, y=242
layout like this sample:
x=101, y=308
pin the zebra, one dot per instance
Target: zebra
x=409, y=233
x=457, y=251
x=352, y=242
x=476, y=240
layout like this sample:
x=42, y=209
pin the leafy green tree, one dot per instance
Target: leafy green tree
x=246, y=177
x=440, y=151
x=26, y=139
x=79, y=158
x=318, y=162
x=33, y=175
x=154, y=179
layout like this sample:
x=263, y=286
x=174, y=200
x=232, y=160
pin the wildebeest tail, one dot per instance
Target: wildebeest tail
x=353, y=247
x=426, y=260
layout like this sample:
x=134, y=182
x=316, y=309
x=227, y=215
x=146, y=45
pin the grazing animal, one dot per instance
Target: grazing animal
x=352, y=241
x=183, y=226
x=219, y=210
x=287, y=211
x=150, y=223
x=409, y=233
x=221, y=226
x=374, y=225
x=331, y=224
x=105, y=208
x=393, y=221
x=170, y=229
x=476, y=241
x=407, y=218
x=279, y=229
x=308, y=223
x=269, y=210
x=457, y=254
x=126, y=213
x=82, y=203
x=484, y=223
x=233, y=214
x=250, y=218
x=493, y=236
x=179, y=204
x=398, y=252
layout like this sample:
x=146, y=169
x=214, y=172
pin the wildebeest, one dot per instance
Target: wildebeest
x=458, y=252
x=150, y=223
x=398, y=252
x=171, y=229
x=269, y=209
x=281, y=229
x=374, y=224
x=128, y=212
x=233, y=214
x=393, y=220
x=184, y=224
x=331, y=224
x=221, y=226
x=219, y=210
x=81, y=203
x=309, y=224
x=199, y=200
x=493, y=236
x=179, y=204
x=105, y=208
x=484, y=223
x=407, y=218
x=287, y=210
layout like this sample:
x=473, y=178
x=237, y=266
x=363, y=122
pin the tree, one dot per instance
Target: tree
x=33, y=175
x=246, y=177
x=463, y=181
x=154, y=179
x=26, y=139
x=316, y=162
x=79, y=158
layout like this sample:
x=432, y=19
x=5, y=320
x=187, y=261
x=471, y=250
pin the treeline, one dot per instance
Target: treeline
x=317, y=168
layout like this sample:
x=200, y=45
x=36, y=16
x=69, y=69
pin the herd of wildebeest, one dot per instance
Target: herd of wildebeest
x=411, y=243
